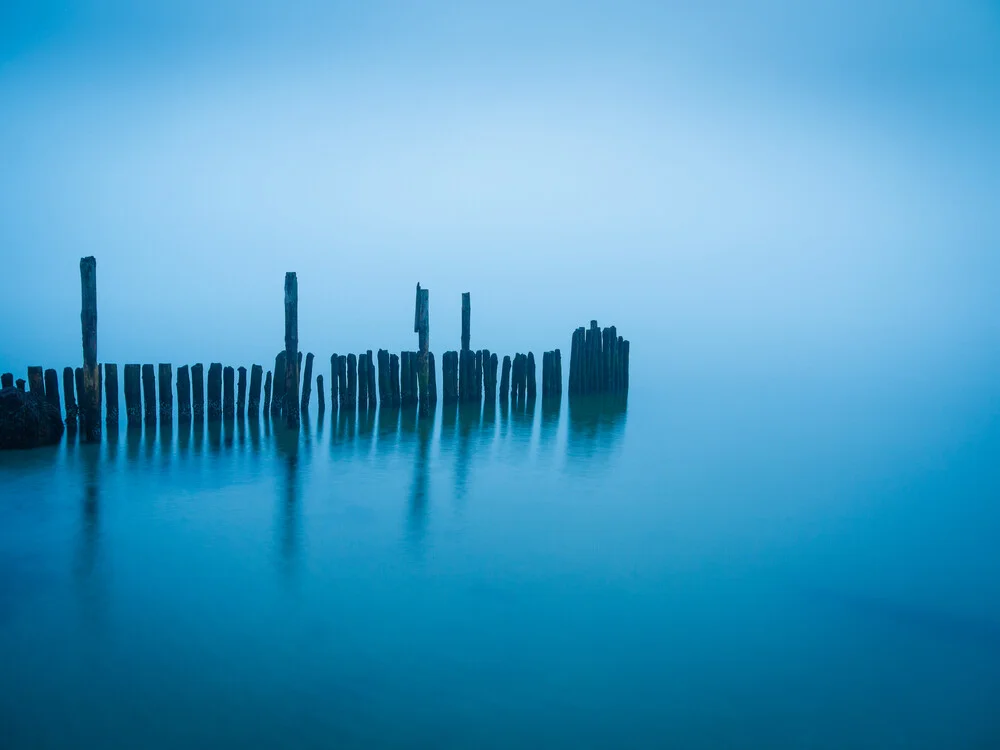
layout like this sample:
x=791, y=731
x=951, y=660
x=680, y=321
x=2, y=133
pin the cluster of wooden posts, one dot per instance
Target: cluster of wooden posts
x=598, y=364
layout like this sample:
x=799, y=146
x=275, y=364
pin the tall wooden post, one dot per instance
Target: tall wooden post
x=477, y=387
x=291, y=349
x=91, y=407
x=342, y=380
x=278, y=390
x=352, y=381
x=422, y=327
x=505, y=378
x=363, y=381
x=384, y=390
x=110, y=393
x=372, y=398
x=267, y=394
x=320, y=395
x=530, y=376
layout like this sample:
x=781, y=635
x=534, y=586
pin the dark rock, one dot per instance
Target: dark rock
x=27, y=420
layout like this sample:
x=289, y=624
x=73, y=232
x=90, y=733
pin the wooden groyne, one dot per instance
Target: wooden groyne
x=599, y=364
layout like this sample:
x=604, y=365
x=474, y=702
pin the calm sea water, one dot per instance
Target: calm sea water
x=728, y=562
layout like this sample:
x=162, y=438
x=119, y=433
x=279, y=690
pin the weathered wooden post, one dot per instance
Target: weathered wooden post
x=320, y=395
x=307, y=383
x=198, y=391
x=372, y=398
x=413, y=378
x=384, y=390
x=486, y=373
x=448, y=380
x=133, y=397
x=466, y=366
x=183, y=394
x=20, y=384
x=334, y=382
x=166, y=394
x=477, y=386
x=394, y=378
x=363, y=380
x=267, y=394
x=291, y=349
x=422, y=327
x=546, y=375
x=505, y=378
x=215, y=392
x=36, y=381
x=278, y=390
x=625, y=366
x=530, y=376
x=91, y=406
x=149, y=394
x=352, y=381
x=253, y=402
x=110, y=393
x=342, y=380
x=432, y=387
x=7, y=380
x=228, y=394
x=241, y=392
x=404, y=378
x=52, y=392
x=494, y=362
x=69, y=397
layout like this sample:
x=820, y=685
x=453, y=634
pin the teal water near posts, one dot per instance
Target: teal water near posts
x=730, y=561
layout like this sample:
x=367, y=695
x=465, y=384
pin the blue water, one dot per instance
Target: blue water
x=728, y=562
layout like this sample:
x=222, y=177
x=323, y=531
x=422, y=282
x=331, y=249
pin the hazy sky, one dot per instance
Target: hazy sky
x=715, y=178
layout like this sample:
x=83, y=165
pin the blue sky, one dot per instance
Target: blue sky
x=788, y=165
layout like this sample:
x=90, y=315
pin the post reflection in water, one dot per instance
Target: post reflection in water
x=227, y=433
x=388, y=425
x=184, y=439
x=287, y=442
x=596, y=424
x=417, y=516
x=88, y=550
x=550, y=420
x=468, y=421
x=366, y=428
x=214, y=430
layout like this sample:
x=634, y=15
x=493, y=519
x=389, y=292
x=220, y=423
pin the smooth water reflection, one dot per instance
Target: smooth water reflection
x=525, y=574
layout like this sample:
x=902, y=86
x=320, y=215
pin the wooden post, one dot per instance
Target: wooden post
x=432, y=388
x=413, y=378
x=625, y=366
x=320, y=395
x=166, y=394
x=505, y=378
x=494, y=362
x=477, y=384
x=228, y=394
x=7, y=380
x=394, y=376
x=110, y=393
x=307, y=383
x=36, y=381
x=267, y=395
x=149, y=394
x=372, y=397
x=133, y=396
x=352, y=381
x=466, y=320
x=546, y=375
x=557, y=361
x=278, y=391
x=52, y=392
x=422, y=328
x=198, y=391
x=486, y=374
x=215, y=392
x=253, y=402
x=363, y=380
x=183, y=394
x=69, y=397
x=404, y=378
x=291, y=349
x=449, y=377
x=20, y=384
x=90, y=407
x=530, y=376
x=334, y=382
x=342, y=379
x=384, y=391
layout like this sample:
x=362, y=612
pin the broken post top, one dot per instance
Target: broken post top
x=466, y=315
x=421, y=317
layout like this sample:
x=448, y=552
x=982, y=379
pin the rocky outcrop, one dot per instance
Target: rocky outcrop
x=27, y=420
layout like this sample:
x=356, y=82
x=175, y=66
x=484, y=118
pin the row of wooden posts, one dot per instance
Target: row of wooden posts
x=598, y=364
